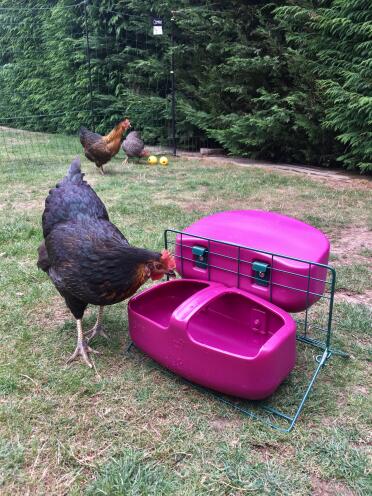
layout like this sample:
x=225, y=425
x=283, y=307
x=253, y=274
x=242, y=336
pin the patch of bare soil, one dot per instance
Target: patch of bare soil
x=329, y=488
x=348, y=247
x=186, y=200
x=365, y=298
x=51, y=313
x=205, y=207
x=221, y=423
x=335, y=182
x=267, y=451
x=29, y=205
x=350, y=242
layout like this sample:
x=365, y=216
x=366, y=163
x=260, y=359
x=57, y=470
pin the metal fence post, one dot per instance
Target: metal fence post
x=173, y=79
x=89, y=65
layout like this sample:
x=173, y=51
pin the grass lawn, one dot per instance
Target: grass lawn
x=132, y=429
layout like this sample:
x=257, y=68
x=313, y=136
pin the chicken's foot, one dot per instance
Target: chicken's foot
x=82, y=349
x=98, y=329
x=125, y=161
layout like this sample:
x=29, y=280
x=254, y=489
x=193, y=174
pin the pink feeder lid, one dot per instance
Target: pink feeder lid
x=291, y=284
x=267, y=231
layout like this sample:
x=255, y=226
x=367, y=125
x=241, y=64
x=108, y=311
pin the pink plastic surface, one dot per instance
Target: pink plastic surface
x=222, y=338
x=216, y=326
x=265, y=231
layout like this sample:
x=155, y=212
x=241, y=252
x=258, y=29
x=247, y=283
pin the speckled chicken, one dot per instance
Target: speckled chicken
x=86, y=256
x=133, y=146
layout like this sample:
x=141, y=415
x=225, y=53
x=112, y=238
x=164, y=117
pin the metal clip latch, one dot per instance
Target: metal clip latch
x=261, y=273
x=200, y=254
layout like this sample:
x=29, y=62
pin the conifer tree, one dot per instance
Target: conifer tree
x=337, y=37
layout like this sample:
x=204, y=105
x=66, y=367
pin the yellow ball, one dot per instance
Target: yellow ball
x=152, y=160
x=163, y=161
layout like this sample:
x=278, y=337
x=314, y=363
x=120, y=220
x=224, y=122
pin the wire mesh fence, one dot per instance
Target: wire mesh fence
x=66, y=65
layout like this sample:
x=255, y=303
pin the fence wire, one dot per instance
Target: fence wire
x=66, y=65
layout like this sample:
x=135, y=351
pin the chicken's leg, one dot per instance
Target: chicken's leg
x=125, y=161
x=100, y=168
x=82, y=347
x=98, y=329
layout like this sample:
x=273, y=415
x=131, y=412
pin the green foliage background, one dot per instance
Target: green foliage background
x=265, y=80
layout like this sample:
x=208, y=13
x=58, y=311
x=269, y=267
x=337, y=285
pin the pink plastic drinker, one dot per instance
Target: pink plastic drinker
x=225, y=325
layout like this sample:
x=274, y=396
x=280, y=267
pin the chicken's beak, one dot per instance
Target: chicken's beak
x=171, y=274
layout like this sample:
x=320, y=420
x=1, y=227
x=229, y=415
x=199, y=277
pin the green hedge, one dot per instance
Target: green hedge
x=263, y=80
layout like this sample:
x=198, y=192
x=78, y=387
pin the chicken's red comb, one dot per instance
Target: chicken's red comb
x=168, y=259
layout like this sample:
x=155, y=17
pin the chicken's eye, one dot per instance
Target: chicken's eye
x=158, y=266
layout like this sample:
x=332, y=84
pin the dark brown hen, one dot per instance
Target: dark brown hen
x=88, y=259
x=100, y=149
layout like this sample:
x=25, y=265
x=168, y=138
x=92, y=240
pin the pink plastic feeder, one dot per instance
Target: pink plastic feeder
x=215, y=326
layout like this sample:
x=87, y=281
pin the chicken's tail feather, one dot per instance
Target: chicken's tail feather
x=74, y=173
x=82, y=133
x=74, y=168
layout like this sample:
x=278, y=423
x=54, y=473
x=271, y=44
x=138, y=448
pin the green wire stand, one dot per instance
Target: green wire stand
x=314, y=336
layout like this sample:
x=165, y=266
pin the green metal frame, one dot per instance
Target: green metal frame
x=309, y=332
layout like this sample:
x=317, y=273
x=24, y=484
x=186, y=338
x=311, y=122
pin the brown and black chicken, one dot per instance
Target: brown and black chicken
x=133, y=146
x=87, y=258
x=100, y=149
